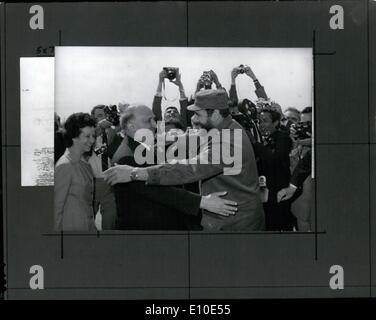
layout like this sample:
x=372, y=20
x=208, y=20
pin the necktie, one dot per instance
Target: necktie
x=104, y=154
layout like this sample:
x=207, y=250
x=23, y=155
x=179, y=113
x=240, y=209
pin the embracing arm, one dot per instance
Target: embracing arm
x=208, y=163
x=205, y=165
x=194, y=169
x=175, y=198
x=174, y=174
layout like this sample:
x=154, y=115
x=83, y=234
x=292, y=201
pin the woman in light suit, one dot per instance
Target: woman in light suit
x=74, y=177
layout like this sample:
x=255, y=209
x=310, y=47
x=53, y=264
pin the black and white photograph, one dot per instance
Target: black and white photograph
x=106, y=97
x=188, y=155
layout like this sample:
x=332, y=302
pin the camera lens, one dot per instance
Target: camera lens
x=171, y=75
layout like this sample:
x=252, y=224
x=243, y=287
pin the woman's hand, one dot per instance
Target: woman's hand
x=215, y=204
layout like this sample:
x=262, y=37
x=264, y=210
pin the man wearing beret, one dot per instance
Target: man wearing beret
x=211, y=112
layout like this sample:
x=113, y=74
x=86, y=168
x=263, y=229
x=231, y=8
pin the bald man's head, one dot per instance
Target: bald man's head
x=137, y=117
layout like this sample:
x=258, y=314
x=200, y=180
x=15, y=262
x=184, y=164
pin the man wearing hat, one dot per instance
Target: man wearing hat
x=210, y=112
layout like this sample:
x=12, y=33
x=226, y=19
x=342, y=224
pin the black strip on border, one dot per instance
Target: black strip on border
x=2, y=192
x=4, y=164
x=315, y=136
x=369, y=157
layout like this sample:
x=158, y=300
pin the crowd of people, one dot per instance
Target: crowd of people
x=96, y=169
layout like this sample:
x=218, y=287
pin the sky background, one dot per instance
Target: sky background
x=87, y=76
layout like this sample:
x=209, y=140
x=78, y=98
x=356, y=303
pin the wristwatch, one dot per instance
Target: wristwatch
x=134, y=174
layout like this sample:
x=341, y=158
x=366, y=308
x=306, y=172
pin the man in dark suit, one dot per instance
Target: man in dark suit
x=144, y=207
x=274, y=164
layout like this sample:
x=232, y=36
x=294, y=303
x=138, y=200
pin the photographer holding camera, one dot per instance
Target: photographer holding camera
x=290, y=116
x=300, y=134
x=301, y=131
x=245, y=106
x=274, y=165
x=173, y=119
x=107, y=125
x=245, y=114
x=244, y=69
x=175, y=122
x=206, y=80
x=300, y=190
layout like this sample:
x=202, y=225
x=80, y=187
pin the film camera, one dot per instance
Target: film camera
x=206, y=76
x=242, y=68
x=112, y=114
x=303, y=130
x=100, y=150
x=171, y=72
x=261, y=104
x=206, y=79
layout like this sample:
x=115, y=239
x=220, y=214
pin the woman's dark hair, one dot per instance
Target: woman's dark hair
x=74, y=124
